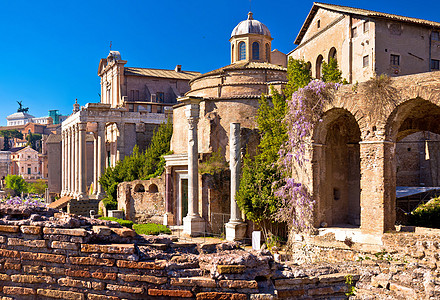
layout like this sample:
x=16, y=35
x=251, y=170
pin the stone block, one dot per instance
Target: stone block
x=119, y=214
x=66, y=295
x=63, y=231
x=9, y=265
x=64, y=245
x=3, y=239
x=114, y=248
x=288, y=283
x=140, y=265
x=44, y=257
x=337, y=277
x=171, y=293
x=9, y=228
x=9, y=253
x=291, y=294
x=194, y=281
x=235, y=231
x=262, y=297
x=17, y=290
x=220, y=296
x=27, y=243
x=124, y=232
x=78, y=273
x=91, y=261
x=30, y=229
x=101, y=297
x=238, y=284
x=125, y=289
x=5, y=277
x=74, y=283
x=102, y=230
x=32, y=279
x=104, y=276
x=231, y=269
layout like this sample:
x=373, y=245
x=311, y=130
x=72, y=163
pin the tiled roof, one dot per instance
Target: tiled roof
x=187, y=75
x=16, y=149
x=359, y=12
x=242, y=66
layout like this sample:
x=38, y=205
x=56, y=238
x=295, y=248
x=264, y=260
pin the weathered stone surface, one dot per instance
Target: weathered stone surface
x=238, y=284
x=30, y=229
x=220, y=296
x=91, y=261
x=144, y=278
x=16, y=290
x=64, y=245
x=104, y=276
x=194, y=281
x=125, y=289
x=115, y=248
x=74, y=232
x=101, y=297
x=9, y=253
x=171, y=293
x=9, y=228
x=124, y=232
x=231, y=269
x=32, y=279
x=43, y=256
x=68, y=295
x=27, y=243
x=139, y=265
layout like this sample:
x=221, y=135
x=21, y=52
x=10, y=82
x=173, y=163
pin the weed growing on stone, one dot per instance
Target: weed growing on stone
x=351, y=288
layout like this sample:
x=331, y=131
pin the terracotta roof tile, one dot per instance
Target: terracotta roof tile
x=186, y=75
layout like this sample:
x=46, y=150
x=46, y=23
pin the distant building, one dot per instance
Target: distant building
x=25, y=162
x=5, y=163
x=366, y=43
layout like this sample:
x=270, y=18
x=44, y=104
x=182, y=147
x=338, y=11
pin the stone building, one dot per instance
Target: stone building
x=201, y=125
x=366, y=43
x=134, y=101
x=26, y=162
x=5, y=163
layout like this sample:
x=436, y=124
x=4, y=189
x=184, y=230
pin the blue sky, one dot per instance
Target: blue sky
x=50, y=50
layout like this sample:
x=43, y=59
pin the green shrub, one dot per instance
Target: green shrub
x=110, y=204
x=125, y=223
x=151, y=229
x=427, y=215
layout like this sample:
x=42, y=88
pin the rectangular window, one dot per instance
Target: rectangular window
x=29, y=171
x=366, y=27
x=366, y=61
x=132, y=95
x=394, y=60
x=435, y=64
x=131, y=107
x=354, y=32
x=149, y=108
x=160, y=97
x=159, y=109
x=435, y=36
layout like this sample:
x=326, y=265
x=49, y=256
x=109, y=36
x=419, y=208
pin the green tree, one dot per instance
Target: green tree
x=16, y=183
x=9, y=134
x=34, y=140
x=38, y=187
x=260, y=175
x=331, y=72
x=138, y=165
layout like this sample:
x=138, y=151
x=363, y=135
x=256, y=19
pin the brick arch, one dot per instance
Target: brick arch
x=411, y=116
x=336, y=171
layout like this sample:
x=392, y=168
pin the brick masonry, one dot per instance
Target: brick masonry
x=63, y=256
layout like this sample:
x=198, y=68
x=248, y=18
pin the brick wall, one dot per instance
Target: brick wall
x=42, y=258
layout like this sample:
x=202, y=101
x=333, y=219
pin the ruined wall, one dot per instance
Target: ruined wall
x=66, y=257
x=143, y=200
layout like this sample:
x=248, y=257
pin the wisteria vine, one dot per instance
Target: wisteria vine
x=305, y=109
x=28, y=201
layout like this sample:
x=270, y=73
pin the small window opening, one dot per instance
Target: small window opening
x=336, y=194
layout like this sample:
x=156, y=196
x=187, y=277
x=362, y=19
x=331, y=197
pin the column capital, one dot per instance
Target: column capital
x=82, y=126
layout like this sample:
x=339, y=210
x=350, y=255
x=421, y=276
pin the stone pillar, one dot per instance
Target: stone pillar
x=168, y=218
x=70, y=162
x=75, y=160
x=235, y=228
x=193, y=224
x=82, y=166
x=63, y=164
x=378, y=187
x=100, y=167
x=120, y=142
x=95, y=163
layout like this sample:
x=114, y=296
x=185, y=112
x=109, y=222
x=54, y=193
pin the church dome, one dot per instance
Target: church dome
x=250, y=26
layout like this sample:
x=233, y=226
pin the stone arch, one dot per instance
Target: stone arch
x=332, y=54
x=139, y=188
x=318, y=67
x=336, y=173
x=414, y=129
x=153, y=188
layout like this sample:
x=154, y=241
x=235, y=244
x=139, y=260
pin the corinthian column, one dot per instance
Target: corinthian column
x=235, y=228
x=100, y=166
x=82, y=171
x=193, y=224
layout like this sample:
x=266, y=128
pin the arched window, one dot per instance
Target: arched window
x=309, y=67
x=242, y=51
x=139, y=188
x=255, y=50
x=268, y=52
x=233, y=52
x=153, y=188
x=332, y=54
x=319, y=66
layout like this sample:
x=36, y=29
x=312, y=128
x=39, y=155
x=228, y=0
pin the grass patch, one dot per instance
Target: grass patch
x=125, y=223
x=151, y=229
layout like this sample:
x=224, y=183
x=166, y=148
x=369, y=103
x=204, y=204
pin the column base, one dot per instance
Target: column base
x=168, y=219
x=193, y=226
x=100, y=196
x=81, y=196
x=235, y=230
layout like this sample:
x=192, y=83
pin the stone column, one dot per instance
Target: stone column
x=95, y=163
x=69, y=162
x=120, y=142
x=168, y=218
x=235, y=228
x=193, y=224
x=63, y=164
x=378, y=187
x=82, y=166
x=75, y=160
x=101, y=157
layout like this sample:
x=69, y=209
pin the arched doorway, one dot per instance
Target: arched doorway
x=332, y=54
x=337, y=175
